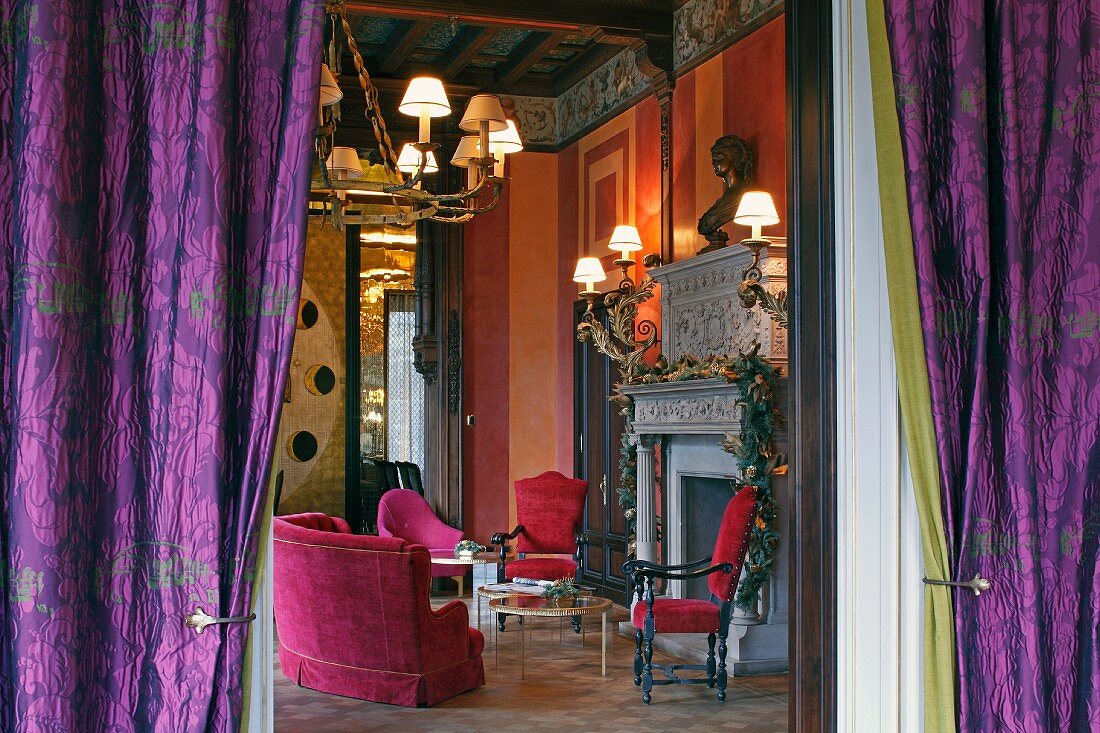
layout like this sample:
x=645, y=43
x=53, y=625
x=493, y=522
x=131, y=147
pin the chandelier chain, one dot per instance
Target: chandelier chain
x=378, y=123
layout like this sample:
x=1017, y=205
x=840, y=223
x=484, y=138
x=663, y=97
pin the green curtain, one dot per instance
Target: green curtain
x=916, y=405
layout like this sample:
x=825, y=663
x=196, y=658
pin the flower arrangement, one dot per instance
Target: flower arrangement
x=563, y=591
x=468, y=547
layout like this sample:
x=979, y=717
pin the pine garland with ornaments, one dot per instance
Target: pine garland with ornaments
x=753, y=448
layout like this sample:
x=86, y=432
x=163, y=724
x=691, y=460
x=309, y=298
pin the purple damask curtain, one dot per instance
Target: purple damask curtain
x=154, y=164
x=999, y=105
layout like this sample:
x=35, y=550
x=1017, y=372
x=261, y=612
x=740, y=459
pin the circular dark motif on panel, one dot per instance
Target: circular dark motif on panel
x=320, y=380
x=307, y=314
x=302, y=446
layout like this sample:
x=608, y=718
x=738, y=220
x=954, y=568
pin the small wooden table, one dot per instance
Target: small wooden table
x=530, y=605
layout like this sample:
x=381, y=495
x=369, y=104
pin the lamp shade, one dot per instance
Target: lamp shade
x=506, y=140
x=466, y=152
x=409, y=160
x=756, y=209
x=425, y=95
x=343, y=163
x=330, y=90
x=625, y=238
x=483, y=108
x=589, y=270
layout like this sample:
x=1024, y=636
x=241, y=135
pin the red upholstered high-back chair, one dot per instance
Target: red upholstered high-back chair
x=549, y=509
x=354, y=617
x=690, y=615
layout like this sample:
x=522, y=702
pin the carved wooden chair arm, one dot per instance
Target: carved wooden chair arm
x=501, y=538
x=631, y=565
x=649, y=574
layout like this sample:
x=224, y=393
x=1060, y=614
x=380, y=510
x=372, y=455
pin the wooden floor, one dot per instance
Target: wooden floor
x=563, y=691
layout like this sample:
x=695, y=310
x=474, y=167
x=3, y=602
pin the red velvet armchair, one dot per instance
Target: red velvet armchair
x=354, y=617
x=689, y=615
x=405, y=514
x=549, y=509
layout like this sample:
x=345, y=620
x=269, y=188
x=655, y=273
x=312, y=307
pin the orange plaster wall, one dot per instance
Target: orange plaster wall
x=518, y=295
x=532, y=317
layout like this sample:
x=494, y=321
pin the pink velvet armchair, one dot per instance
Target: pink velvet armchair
x=354, y=618
x=405, y=514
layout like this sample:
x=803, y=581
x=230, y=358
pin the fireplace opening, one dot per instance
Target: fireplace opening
x=704, y=502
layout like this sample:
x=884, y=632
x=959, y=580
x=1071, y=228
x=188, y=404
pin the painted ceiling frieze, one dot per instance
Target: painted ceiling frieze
x=700, y=26
x=550, y=121
x=600, y=93
x=536, y=117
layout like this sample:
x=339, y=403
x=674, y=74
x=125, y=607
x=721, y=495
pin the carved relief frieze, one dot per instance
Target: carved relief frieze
x=687, y=410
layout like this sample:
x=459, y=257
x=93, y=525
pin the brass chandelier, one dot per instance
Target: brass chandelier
x=394, y=192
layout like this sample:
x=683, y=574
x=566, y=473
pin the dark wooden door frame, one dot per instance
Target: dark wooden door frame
x=812, y=380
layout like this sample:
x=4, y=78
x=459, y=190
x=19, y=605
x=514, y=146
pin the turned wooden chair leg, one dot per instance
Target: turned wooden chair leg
x=647, y=667
x=722, y=666
x=711, y=671
x=637, y=657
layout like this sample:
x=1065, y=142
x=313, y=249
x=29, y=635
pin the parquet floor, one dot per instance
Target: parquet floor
x=563, y=692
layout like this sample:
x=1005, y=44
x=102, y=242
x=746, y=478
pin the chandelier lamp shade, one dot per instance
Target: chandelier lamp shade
x=411, y=160
x=425, y=98
x=343, y=164
x=330, y=90
x=398, y=180
x=502, y=143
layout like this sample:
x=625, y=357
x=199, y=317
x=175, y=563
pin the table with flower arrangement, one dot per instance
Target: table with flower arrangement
x=535, y=605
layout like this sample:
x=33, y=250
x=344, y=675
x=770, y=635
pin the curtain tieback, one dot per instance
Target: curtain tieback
x=199, y=620
x=976, y=584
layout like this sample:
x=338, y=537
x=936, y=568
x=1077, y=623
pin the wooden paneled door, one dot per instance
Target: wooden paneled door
x=597, y=438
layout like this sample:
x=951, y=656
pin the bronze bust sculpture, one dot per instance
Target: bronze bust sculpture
x=735, y=163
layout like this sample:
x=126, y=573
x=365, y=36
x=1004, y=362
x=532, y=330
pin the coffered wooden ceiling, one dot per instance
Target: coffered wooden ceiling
x=515, y=47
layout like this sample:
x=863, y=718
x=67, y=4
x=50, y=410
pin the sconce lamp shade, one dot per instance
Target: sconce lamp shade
x=425, y=95
x=330, y=90
x=506, y=140
x=409, y=160
x=756, y=209
x=466, y=152
x=343, y=163
x=589, y=271
x=625, y=239
x=483, y=108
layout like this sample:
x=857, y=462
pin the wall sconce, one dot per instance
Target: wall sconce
x=758, y=210
x=627, y=339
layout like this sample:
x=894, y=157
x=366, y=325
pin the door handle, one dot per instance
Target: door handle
x=199, y=620
x=603, y=489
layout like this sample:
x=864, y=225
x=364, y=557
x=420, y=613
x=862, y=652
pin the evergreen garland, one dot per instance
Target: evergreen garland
x=752, y=448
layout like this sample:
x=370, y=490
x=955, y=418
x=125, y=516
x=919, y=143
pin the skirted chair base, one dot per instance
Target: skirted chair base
x=394, y=688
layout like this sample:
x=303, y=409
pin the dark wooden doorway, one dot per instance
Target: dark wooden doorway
x=598, y=430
